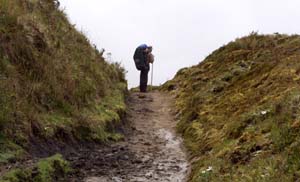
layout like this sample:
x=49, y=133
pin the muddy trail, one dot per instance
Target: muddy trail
x=150, y=152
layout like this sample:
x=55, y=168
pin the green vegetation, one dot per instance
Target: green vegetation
x=239, y=110
x=9, y=151
x=54, y=85
x=50, y=169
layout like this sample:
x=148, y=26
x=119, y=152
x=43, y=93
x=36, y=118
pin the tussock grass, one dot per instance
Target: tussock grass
x=239, y=110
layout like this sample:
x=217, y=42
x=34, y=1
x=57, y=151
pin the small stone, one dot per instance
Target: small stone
x=146, y=159
x=264, y=112
x=141, y=96
x=149, y=174
x=147, y=143
x=121, y=148
x=209, y=168
x=116, y=179
x=296, y=125
x=138, y=161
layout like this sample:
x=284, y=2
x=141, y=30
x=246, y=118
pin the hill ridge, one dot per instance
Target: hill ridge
x=239, y=110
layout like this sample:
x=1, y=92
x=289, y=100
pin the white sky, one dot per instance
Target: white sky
x=182, y=32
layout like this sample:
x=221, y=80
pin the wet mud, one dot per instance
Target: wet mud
x=150, y=153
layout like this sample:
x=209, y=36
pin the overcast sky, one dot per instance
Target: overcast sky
x=182, y=32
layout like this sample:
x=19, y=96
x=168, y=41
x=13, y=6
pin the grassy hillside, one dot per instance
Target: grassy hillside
x=239, y=110
x=53, y=84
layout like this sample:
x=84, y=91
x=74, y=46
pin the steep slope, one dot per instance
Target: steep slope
x=239, y=110
x=54, y=86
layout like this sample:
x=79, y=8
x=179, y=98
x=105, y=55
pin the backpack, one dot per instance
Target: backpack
x=138, y=64
x=139, y=58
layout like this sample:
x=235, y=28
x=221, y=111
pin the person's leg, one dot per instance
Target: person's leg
x=146, y=80
x=143, y=80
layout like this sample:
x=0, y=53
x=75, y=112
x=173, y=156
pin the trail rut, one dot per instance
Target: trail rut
x=150, y=153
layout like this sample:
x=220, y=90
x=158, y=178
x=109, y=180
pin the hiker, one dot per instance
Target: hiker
x=143, y=57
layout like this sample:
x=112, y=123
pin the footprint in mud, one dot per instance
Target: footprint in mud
x=144, y=110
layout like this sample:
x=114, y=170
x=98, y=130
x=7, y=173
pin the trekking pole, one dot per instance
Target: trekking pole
x=152, y=77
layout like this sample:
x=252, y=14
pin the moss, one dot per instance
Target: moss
x=52, y=168
x=116, y=137
x=16, y=175
x=9, y=151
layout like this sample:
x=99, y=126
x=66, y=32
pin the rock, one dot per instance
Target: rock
x=146, y=159
x=122, y=148
x=149, y=174
x=161, y=168
x=141, y=96
x=126, y=157
x=176, y=168
x=217, y=89
x=147, y=143
x=150, y=100
x=296, y=125
x=137, y=161
x=97, y=179
x=116, y=179
x=264, y=112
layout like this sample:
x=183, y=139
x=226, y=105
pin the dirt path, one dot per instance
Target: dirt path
x=150, y=153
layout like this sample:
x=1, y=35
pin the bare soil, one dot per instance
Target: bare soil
x=150, y=152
